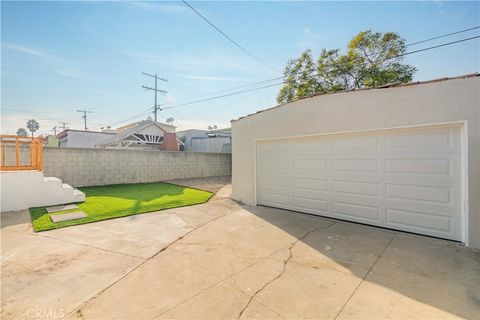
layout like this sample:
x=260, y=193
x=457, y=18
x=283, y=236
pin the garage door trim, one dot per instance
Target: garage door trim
x=463, y=161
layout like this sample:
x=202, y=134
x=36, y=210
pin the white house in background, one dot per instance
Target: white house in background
x=206, y=140
x=82, y=139
x=146, y=134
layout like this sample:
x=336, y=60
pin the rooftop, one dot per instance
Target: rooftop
x=394, y=85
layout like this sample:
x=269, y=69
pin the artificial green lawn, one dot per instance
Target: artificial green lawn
x=114, y=201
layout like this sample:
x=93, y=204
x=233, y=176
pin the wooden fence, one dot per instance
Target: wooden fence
x=21, y=153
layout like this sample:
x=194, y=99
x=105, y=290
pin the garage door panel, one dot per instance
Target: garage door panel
x=356, y=187
x=355, y=165
x=276, y=181
x=309, y=193
x=431, y=140
x=442, y=167
x=319, y=205
x=404, y=218
x=356, y=212
x=355, y=142
x=407, y=179
x=442, y=195
x=278, y=164
x=274, y=199
x=310, y=164
x=311, y=184
x=273, y=172
x=310, y=145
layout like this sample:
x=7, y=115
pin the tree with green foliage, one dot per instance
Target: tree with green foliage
x=372, y=59
x=33, y=125
x=22, y=132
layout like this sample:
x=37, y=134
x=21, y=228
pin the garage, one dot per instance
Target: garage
x=405, y=179
x=404, y=157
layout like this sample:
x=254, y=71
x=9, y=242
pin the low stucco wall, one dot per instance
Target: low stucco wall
x=428, y=103
x=88, y=167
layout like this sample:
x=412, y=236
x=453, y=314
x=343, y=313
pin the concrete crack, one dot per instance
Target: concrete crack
x=285, y=263
x=78, y=310
x=88, y=246
x=365, y=276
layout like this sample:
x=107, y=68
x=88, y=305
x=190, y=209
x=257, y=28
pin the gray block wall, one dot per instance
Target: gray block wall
x=88, y=167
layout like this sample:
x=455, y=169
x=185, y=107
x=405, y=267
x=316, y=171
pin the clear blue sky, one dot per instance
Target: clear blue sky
x=58, y=57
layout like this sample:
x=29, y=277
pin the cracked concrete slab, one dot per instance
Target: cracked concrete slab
x=222, y=260
x=421, y=278
x=53, y=275
x=138, y=235
x=221, y=301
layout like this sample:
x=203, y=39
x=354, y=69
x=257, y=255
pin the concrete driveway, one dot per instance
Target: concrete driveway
x=221, y=260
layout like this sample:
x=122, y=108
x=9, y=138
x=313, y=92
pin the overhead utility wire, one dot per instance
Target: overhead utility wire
x=223, y=96
x=333, y=64
x=202, y=100
x=225, y=90
x=389, y=58
x=401, y=55
x=251, y=55
x=326, y=65
x=443, y=36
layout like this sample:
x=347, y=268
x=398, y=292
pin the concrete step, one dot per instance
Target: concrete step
x=78, y=195
x=67, y=186
x=32, y=189
x=52, y=181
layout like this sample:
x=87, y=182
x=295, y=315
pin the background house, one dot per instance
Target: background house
x=82, y=139
x=146, y=134
x=51, y=141
x=206, y=140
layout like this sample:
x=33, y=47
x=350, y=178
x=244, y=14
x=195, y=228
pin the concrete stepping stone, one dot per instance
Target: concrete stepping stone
x=62, y=207
x=68, y=216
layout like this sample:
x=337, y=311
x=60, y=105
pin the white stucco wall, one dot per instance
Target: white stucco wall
x=24, y=189
x=428, y=103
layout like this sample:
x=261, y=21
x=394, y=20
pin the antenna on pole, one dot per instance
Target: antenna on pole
x=84, y=117
x=64, y=125
x=54, y=129
x=155, y=90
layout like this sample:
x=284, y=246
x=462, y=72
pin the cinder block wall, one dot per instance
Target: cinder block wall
x=88, y=167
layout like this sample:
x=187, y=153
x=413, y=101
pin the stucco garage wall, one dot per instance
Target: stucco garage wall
x=88, y=167
x=427, y=103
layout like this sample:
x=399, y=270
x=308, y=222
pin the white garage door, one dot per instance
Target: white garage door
x=406, y=179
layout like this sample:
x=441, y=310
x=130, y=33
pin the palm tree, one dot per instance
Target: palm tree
x=33, y=125
x=22, y=132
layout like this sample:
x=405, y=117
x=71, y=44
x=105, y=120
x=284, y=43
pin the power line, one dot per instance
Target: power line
x=223, y=96
x=149, y=110
x=326, y=65
x=389, y=58
x=251, y=55
x=443, y=36
x=401, y=55
x=277, y=78
x=225, y=90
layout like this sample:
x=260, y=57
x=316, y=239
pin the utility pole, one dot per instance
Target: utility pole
x=54, y=129
x=64, y=125
x=84, y=117
x=155, y=90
